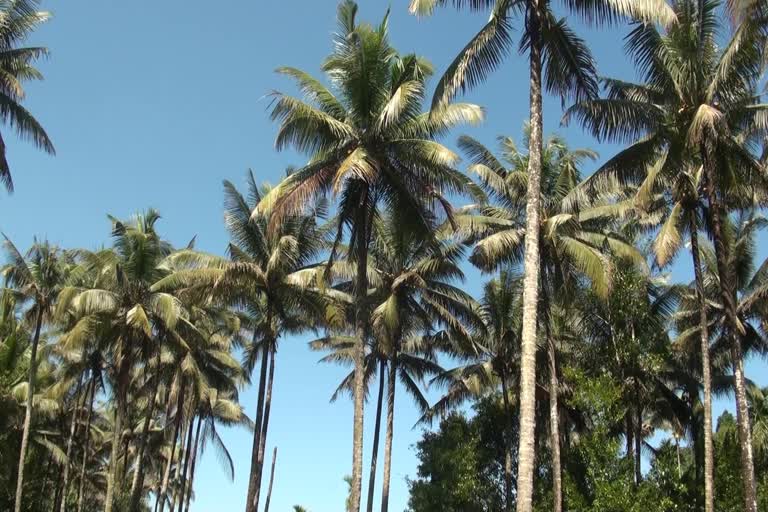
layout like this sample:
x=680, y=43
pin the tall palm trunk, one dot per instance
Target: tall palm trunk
x=389, y=436
x=361, y=320
x=70, y=443
x=728, y=295
x=376, y=433
x=250, y=503
x=706, y=370
x=161, y=498
x=86, y=446
x=194, y=463
x=527, y=428
x=123, y=377
x=115, y=454
x=628, y=425
x=138, y=473
x=638, y=443
x=508, y=443
x=265, y=422
x=271, y=481
x=28, y=413
x=554, y=428
x=190, y=432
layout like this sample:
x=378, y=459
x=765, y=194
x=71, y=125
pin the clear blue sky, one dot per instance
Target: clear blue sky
x=154, y=103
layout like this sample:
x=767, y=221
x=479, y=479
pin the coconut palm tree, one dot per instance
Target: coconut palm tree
x=415, y=302
x=369, y=143
x=561, y=62
x=20, y=19
x=37, y=278
x=575, y=241
x=417, y=296
x=268, y=276
x=696, y=109
x=134, y=316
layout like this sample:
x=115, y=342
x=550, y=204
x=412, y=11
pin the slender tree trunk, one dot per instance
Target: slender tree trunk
x=706, y=372
x=194, y=463
x=527, y=430
x=115, y=454
x=58, y=494
x=728, y=295
x=271, y=481
x=137, y=482
x=630, y=437
x=86, y=446
x=508, y=442
x=376, y=433
x=250, y=503
x=167, y=473
x=138, y=473
x=265, y=423
x=70, y=442
x=361, y=320
x=123, y=376
x=175, y=491
x=28, y=413
x=389, y=435
x=638, y=444
x=554, y=426
x=182, y=490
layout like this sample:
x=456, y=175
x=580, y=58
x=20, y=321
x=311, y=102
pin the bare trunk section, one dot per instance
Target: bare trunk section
x=194, y=463
x=527, y=430
x=728, y=295
x=161, y=498
x=265, y=423
x=361, y=320
x=138, y=474
x=28, y=412
x=554, y=427
x=376, y=434
x=188, y=454
x=250, y=503
x=508, y=442
x=86, y=446
x=706, y=371
x=121, y=391
x=389, y=436
x=271, y=480
x=70, y=443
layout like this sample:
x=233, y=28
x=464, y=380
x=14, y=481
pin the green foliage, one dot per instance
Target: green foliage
x=461, y=465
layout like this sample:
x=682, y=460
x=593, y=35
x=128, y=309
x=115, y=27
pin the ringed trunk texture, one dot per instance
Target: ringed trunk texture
x=265, y=423
x=389, y=436
x=527, y=428
x=728, y=295
x=28, y=413
x=361, y=321
x=271, y=481
x=250, y=503
x=86, y=446
x=376, y=434
x=554, y=427
x=706, y=371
